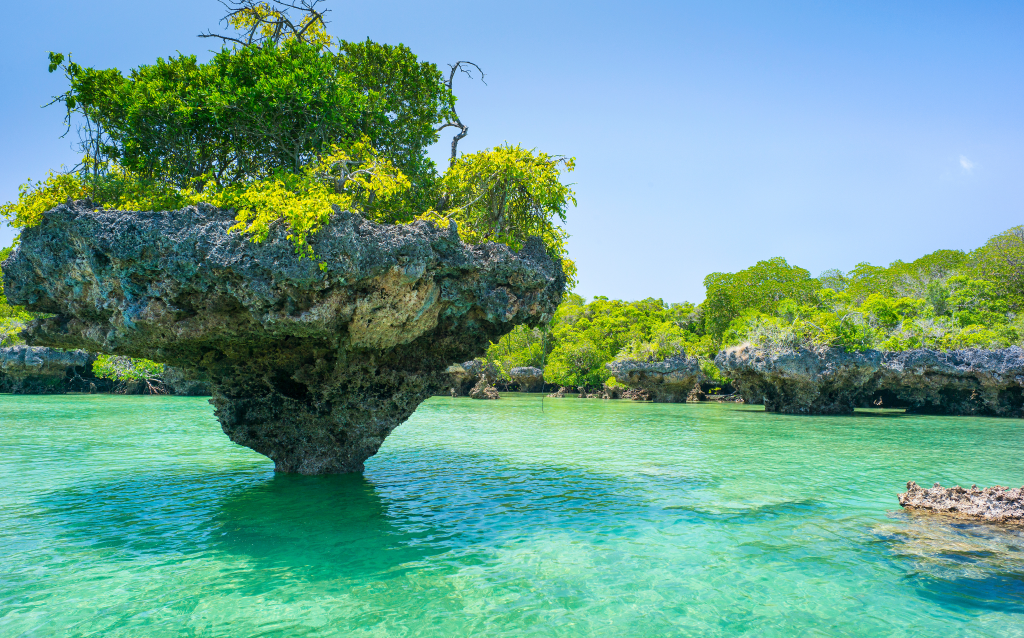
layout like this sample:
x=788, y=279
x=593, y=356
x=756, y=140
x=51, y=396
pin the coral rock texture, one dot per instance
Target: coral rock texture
x=998, y=504
x=186, y=383
x=37, y=370
x=666, y=381
x=834, y=381
x=483, y=390
x=461, y=377
x=311, y=366
x=528, y=378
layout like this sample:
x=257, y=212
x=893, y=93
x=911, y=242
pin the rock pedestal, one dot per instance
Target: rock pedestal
x=310, y=365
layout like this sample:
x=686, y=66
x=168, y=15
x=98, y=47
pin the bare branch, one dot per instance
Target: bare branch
x=464, y=66
x=273, y=14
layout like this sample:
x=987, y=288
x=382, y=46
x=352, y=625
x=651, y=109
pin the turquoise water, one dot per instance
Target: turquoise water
x=135, y=516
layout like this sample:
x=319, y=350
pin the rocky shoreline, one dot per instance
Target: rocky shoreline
x=821, y=381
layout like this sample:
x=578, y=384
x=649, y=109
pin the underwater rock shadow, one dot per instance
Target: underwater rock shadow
x=320, y=527
x=340, y=526
x=753, y=514
x=311, y=527
x=967, y=564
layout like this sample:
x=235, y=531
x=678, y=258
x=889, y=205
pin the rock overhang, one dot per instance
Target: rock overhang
x=392, y=307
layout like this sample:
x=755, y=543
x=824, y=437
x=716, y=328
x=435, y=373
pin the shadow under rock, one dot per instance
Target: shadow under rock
x=968, y=564
x=347, y=526
x=321, y=527
x=313, y=526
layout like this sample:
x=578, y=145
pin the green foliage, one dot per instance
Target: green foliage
x=520, y=348
x=508, y=194
x=358, y=179
x=1001, y=262
x=255, y=110
x=12, y=318
x=288, y=129
x=126, y=368
x=582, y=337
x=760, y=288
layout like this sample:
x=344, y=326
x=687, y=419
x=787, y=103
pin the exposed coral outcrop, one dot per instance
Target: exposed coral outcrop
x=696, y=395
x=834, y=381
x=528, y=378
x=484, y=390
x=460, y=378
x=666, y=381
x=38, y=370
x=827, y=381
x=998, y=504
x=311, y=362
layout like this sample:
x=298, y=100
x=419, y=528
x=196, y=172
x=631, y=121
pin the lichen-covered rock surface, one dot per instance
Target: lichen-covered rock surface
x=38, y=370
x=834, y=381
x=666, y=381
x=998, y=504
x=310, y=366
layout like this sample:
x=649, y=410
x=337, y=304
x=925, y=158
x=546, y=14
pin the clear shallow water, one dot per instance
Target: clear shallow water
x=131, y=516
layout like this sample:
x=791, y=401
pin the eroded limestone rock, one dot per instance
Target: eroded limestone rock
x=39, y=370
x=667, y=381
x=311, y=367
x=834, y=381
x=484, y=390
x=186, y=382
x=528, y=378
x=998, y=504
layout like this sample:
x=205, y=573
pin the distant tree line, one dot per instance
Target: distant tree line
x=946, y=300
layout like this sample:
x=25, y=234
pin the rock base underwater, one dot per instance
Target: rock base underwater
x=312, y=366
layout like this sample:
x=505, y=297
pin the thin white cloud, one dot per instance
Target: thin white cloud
x=967, y=164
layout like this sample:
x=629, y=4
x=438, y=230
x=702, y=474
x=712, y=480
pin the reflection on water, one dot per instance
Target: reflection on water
x=126, y=516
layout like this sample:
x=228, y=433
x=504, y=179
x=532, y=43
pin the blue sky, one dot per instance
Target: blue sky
x=707, y=135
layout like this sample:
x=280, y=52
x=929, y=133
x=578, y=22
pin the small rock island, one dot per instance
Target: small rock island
x=312, y=362
x=995, y=504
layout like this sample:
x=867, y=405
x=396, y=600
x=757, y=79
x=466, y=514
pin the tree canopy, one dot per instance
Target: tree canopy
x=285, y=123
x=947, y=299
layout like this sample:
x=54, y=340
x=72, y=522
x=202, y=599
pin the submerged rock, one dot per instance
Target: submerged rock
x=833, y=381
x=666, y=381
x=310, y=366
x=528, y=378
x=39, y=370
x=998, y=504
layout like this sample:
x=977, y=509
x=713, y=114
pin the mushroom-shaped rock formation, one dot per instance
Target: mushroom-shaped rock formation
x=311, y=365
x=36, y=370
x=666, y=381
x=826, y=381
x=834, y=381
x=997, y=504
x=528, y=378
